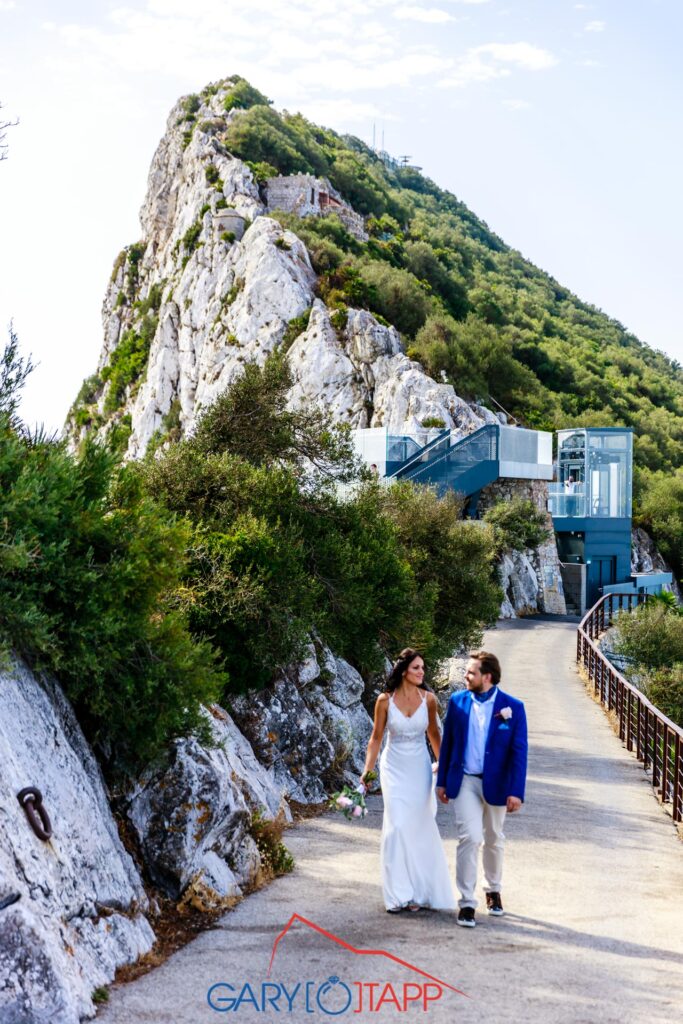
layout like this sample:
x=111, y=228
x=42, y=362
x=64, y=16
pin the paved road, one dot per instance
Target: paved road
x=593, y=891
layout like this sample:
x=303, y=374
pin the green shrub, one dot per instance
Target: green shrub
x=262, y=171
x=119, y=435
x=152, y=303
x=83, y=416
x=517, y=525
x=433, y=422
x=664, y=688
x=86, y=560
x=191, y=104
x=190, y=240
x=283, y=244
x=339, y=319
x=89, y=391
x=134, y=254
x=212, y=126
x=232, y=293
x=660, y=510
x=276, y=859
x=228, y=236
x=296, y=326
x=212, y=174
x=651, y=636
x=452, y=561
x=325, y=254
x=346, y=286
x=475, y=357
x=242, y=95
x=127, y=362
x=397, y=296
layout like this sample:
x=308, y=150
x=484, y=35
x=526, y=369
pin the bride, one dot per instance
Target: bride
x=414, y=868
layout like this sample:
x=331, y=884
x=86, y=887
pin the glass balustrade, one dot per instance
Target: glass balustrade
x=561, y=503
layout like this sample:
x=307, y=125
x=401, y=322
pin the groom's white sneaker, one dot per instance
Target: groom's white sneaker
x=466, y=917
x=494, y=904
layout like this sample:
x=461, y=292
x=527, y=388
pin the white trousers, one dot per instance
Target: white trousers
x=477, y=822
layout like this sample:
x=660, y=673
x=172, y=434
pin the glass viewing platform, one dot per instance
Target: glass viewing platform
x=594, y=469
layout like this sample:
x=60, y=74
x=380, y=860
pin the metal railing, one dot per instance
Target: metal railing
x=654, y=738
x=465, y=454
x=424, y=454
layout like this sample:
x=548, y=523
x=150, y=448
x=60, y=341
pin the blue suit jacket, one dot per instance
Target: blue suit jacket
x=505, y=753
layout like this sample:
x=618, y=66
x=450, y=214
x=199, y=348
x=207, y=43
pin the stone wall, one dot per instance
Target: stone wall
x=308, y=196
x=531, y=579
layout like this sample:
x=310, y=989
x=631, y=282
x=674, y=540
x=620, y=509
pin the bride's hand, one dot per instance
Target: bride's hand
x=435, y=767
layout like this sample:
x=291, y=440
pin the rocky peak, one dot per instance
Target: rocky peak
x=192, y=302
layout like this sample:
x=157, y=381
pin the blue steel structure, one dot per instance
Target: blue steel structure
x=591, y=505
x=591, y=502
x=466, y=466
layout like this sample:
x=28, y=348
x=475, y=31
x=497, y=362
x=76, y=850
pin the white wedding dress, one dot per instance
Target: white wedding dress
x=414, y=866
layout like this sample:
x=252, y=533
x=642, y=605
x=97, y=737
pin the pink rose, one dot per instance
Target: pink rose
x=357, y=812
x=343, y=801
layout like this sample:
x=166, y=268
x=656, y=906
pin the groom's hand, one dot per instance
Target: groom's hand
x=441, y=794
x=513, y=804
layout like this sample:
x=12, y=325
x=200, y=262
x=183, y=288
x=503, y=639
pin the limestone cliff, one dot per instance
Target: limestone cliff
x=192, y=302
x=72, y=907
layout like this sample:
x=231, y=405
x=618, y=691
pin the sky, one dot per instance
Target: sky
x=558, y=123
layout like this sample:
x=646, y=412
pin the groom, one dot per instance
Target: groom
x=482, y=767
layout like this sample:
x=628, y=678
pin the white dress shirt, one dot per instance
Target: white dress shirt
x=480, y=720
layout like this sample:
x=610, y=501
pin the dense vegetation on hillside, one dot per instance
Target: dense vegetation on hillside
x=651, y=639
x=278, y=557
x=88, y=564
x=469, y=307
x=153, y=588
x=473, y=310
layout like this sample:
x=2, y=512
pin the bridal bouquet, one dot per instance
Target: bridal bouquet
x=351, y=802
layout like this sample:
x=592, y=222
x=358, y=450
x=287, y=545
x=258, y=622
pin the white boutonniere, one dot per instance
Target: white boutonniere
x=504, y=713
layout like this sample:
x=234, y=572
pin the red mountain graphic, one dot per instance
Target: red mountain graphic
x=358, y=952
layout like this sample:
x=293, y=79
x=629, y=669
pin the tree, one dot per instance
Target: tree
x=4, y=125
x=13, y=373
x=251, y=421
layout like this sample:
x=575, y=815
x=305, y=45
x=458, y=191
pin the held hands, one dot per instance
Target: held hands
x=441, y=794
x=513, y=804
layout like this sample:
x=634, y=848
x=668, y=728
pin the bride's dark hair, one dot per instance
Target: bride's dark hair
x=395, y=677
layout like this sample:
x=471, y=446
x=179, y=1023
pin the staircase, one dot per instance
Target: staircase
x=466, y=466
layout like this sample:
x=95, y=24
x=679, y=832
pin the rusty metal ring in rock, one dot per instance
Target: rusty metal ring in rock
x=31, y=799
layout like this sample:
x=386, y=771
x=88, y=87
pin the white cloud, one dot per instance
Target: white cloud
x=524, y=55
x=429, y=15
x=516, y=104
x=345, y=75
x=7, y=5
x=345, y=112
x=493, y=60
x=595, y=26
